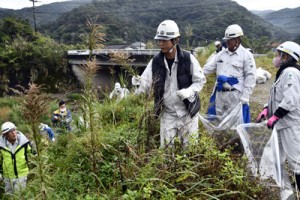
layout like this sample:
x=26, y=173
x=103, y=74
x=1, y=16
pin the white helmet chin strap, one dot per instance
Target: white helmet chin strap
x=174, y=46
x=172, y=49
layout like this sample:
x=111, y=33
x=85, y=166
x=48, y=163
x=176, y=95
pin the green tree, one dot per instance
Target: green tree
x=11, y=28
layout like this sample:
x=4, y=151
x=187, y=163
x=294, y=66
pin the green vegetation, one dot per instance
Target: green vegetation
x=115, y=155
x=26, y=56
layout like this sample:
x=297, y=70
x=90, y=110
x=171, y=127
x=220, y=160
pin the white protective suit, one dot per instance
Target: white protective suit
x=285, y=93
x=118, y=92
x=239, y=64
x=175, y=119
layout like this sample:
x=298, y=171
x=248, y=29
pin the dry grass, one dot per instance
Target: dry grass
x=4, y=113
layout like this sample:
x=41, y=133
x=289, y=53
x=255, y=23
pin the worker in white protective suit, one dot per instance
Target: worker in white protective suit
x=218, y=46
x=118, y=92
x=236, y=75
x=283, y=107
x=176, y=79
x=126, y=91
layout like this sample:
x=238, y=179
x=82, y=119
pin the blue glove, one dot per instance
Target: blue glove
x=232, y=80
x=222, y=79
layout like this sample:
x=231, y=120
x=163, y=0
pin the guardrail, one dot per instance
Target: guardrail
x=150, y=52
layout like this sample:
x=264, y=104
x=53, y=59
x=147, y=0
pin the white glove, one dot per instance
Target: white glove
x=136, y=80
x=185, y=93
x=244, y=100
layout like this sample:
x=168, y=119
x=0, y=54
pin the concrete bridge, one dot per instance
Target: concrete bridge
x=109, y=72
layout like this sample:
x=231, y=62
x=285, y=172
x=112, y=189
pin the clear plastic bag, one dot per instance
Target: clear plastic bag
x=228, y=121
x=262, y=148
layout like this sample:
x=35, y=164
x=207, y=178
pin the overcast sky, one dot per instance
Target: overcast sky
x=249, y=4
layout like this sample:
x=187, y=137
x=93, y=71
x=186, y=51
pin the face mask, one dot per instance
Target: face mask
x=63, y=110
x=276, y=61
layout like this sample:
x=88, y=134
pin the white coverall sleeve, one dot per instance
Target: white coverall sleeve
x=211, y=66
x=250, y=76
x=198, y=77
x=111, y=94
x=291, y=88
x=146, y=80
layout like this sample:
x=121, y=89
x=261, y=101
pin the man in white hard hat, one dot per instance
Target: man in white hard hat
x=13, y=146
x=176, y=79
x=218, y=46
x=236, y=75
x=283, y=108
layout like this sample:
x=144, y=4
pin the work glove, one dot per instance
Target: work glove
x=244, y=100
x=136, y=80
x=185, y=93
x=263, y=115
x=272, y=121
x=232, y=80
x=222, y=78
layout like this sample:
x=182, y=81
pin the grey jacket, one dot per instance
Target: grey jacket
x=285, y=93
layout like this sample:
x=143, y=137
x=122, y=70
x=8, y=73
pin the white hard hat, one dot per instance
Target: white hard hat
x=167, y=30
x=291, y=48
x=233, y=31
x=117, y=85
x=7, y=127
x=217, y=43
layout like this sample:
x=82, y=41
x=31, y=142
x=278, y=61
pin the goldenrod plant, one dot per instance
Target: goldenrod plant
x=34, y=108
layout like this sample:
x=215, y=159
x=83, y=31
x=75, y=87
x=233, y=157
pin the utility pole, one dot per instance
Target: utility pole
x=33, y=10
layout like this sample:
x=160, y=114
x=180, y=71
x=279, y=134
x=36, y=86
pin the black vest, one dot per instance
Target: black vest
x=184, y=80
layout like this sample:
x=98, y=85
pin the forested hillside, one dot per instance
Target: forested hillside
x=287, y=19
x=131, y=20
x=137, y=20
x=44, y=13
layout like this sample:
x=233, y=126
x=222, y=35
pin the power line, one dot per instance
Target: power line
x=34, y=19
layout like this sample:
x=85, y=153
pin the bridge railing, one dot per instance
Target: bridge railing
x=150, y=52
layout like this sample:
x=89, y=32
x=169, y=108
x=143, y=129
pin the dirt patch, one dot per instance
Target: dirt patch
x=261, y=92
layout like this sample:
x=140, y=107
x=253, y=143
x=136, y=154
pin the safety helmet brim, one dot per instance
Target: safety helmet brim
x=7, y=127
x=162, y=38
